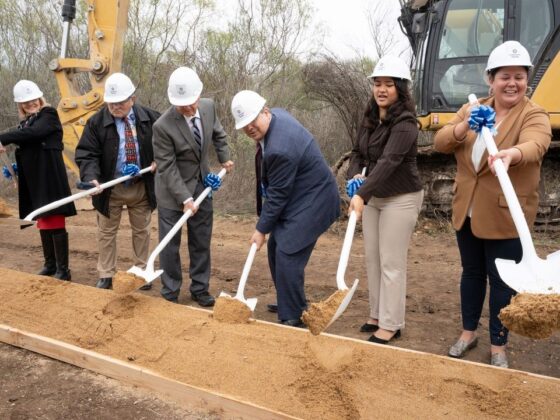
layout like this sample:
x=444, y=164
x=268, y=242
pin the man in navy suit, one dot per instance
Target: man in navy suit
x=300, y=194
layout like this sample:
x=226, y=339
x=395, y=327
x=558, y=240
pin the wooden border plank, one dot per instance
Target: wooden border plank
x=187, y=395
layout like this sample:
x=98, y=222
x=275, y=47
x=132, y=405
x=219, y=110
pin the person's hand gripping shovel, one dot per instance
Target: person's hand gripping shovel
x=237, y=309
x=532, y=274
x=137, y=277
x=321, y=315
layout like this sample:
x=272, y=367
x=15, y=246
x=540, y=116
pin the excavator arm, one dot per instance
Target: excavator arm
x=106, y=23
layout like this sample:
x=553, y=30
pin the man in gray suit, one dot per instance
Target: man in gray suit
x=181, y=142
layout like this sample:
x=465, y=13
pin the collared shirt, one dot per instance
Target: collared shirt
x=121, y=158
x=190, y=121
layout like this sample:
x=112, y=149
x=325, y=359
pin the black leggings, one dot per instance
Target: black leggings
x=478, y=260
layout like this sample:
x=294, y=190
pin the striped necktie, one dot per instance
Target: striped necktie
x=196, y=132
x=129, y=143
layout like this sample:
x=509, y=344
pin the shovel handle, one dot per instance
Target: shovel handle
x=77, y=196
x=345, y=253
x=509, y=192
x=163, y=243
x=245, y=274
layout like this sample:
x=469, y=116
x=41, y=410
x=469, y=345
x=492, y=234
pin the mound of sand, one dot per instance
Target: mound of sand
x=230, y=310
x=126, y=282
x=4, y=209
x=319, y=314
x=532, y=315
x=280, y=368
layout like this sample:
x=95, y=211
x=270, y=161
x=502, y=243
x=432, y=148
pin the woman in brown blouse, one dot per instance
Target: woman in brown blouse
x=390, y=197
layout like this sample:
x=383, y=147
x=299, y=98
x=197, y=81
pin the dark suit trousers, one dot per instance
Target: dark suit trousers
x=287, y=272
x=199, y=232
x=478, y=258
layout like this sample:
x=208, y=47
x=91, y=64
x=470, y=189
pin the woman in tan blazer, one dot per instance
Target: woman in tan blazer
x=485, y=229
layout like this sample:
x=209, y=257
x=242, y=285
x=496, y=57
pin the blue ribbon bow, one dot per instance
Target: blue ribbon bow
x=213, y=181
x=6, y=172
x=130, y=169
x=482, y=116
x=353, y=185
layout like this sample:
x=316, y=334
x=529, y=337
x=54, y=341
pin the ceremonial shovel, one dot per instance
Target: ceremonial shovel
x=251, y=302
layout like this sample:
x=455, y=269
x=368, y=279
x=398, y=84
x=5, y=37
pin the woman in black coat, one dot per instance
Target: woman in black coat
x=42, y=176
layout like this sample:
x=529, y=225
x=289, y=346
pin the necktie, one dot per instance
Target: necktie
x=258, y=169
x=196, y=132
x=129, y=144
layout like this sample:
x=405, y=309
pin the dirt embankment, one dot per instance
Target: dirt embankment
x=285, y=369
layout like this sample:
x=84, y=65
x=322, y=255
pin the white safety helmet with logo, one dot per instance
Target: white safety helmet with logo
x=118, y=88
x=391, y=66
x=184, y=87
x=26, y=90
x=245, y=107
x=510, y=53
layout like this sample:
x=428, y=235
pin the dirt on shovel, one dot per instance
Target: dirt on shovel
x=4, y=209
x=126, y=282
x=532, y=315
x=231, y=311
x=319, y=314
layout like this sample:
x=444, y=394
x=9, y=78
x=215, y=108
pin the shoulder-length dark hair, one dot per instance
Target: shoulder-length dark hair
x=404, y=102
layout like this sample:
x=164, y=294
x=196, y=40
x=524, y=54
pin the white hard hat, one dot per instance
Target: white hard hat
x=26, y=90
x=245, y=107
x=118, y=88
x=391, y=66
x=510, y=53
x=184, y=87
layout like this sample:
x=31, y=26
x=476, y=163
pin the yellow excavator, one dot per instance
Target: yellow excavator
x=81, y=81
x=451, y=41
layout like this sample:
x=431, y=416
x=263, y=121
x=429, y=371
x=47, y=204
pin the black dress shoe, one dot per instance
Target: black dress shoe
x=147, y=287
x=272, y=307
x=172, y=300
x=298, y=323
x=377, y=340
x=105, y=283
x=204, y=299
x=369, y=328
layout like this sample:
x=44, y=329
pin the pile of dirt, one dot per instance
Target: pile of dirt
x=4, y=209
x=319, y=314
x=281, y=368
x=233, y=311
x=126, y=282
x=532, y=315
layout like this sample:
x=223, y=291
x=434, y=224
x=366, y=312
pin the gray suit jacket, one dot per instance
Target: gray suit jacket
x=180, y=162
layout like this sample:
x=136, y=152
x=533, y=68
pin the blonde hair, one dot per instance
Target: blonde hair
x=23, y=115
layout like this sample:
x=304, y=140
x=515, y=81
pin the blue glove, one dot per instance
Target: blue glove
x=213, y=181
x=482, y=116
x=353, y=185
x=7, y=173
x=130, y=169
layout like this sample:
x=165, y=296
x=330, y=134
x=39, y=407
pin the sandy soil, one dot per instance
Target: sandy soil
x=433, y=315
x=281, y=368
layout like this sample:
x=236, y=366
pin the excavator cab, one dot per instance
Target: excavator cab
x=451, y=41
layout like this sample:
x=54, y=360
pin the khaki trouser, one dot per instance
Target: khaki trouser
x=388, y=224
x=139, y=213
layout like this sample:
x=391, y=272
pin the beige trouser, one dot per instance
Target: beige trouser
x=388, y=224
x=135, y=199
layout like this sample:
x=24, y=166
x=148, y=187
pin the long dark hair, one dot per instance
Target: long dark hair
x=404, y=102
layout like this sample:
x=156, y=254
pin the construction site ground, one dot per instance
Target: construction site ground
x=33, y=386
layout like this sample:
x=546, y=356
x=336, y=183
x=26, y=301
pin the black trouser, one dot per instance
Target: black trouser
x=478, y=260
